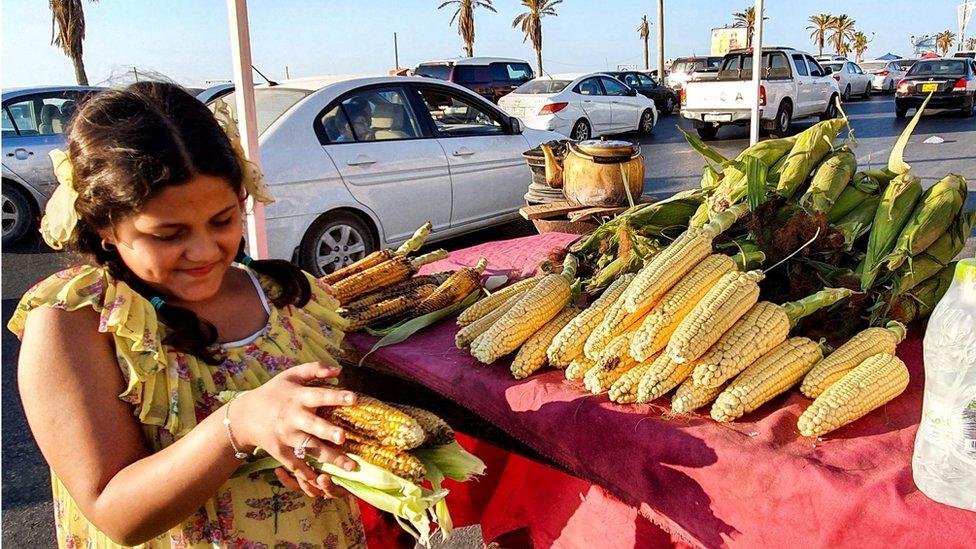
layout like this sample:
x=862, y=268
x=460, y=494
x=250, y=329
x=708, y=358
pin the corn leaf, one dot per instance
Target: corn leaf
x=710, y=178
x=402, y=331
x=896, y=160
x=756, y=171
x=707, y=152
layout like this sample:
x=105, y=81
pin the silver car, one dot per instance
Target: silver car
x=34, y=122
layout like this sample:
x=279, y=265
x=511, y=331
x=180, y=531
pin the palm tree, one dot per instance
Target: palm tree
x=68, y=33
x=644, y=30
x=859, y=42
x=944, y=41
x=531, y=24
x=844, y=49
x=747, y=19
x=842, y=30
x=820, y=24
x=465, y=18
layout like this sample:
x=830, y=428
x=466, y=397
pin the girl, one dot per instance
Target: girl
x=123, y=358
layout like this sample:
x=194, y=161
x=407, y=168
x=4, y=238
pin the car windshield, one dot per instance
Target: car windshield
x=270, y=103
x=836, y=67
x=440, y=72
x=542, y=85
x=873, y=66
x=684, y=65
x=941, y=67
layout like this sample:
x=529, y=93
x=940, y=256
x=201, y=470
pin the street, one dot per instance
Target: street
x=671, y=165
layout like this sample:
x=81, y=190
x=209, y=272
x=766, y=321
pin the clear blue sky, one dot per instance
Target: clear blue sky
x=188, y=39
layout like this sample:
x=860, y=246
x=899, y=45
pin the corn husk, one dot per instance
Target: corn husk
x=858, y=222
x=873, y=181
x=812, y=145
x=935, y=210
x=897, y=204
x=829, y=180
x=918, y=303
x=935, y=257
x=848, y=200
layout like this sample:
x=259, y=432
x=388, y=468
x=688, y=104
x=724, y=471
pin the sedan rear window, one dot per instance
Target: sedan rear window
x=873, y=66
x=542, y=86
x=270, y=103
x=440, y=72
x=948, y=67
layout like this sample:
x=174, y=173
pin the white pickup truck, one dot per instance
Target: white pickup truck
x=793, y=86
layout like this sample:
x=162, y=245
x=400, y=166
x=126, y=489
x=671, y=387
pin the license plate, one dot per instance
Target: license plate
x=930, y=87
x=518, y=112
x=717, y=118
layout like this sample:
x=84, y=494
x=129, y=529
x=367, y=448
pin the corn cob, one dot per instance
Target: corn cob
x=436, y=431
x=867, y=387
x=488, y=304
x=539, y=305
x=848, y=356
x=734, y=183
x=379, y=422
x=401, y=464
x=776, y=171
x=660, y=323
x=613, y=361
x=774, y=373
x=933, y=214
x=389, y=311
x=919, y=302
x=896, y=206
x=848, y=200
x=663, y=375
x=453, y=290
x=568, y=343
x=873, y=181
x=689, y=397
x=624, y=390
x=858, y=222
x=811, y=146
x=615, y=322
x=936, y=256
x=377, y=257
x=725, y=303
x=829, y=180
x=396, y=290
x=578, y=367
x=469, y=333
x=383, y=275
x=532, y=355
x=761, y=329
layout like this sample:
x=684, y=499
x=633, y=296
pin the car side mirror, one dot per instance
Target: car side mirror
x=515, y=125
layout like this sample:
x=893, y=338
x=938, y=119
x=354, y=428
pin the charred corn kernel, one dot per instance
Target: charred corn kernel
x=725, y=303
x=829, y=180
x=765, y=326
x=614, y=360
x=935, y=211
x=380, y=422
x=539, y=305
x=532, y=355
x=436, y=431
x=774, y=373
x=381, y=276
x=811, y=146
x=396, y=290
x=488, y=304
x=578, y=367
x=666, y=269
x=689, y=397
x=663, y=375
x=453, y=290
x=569, y=342
x=469, y=333
x=624, y=390
x=848, y=356
x=867, y=387
x=656, y=328
x=401, y=464
x=389, y=311
x=375, y=258
x=897, y=203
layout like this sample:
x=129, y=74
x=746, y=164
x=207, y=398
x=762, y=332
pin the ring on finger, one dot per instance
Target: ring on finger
x=300, y=449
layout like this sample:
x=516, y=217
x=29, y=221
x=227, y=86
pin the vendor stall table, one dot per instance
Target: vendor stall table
x=755, y=482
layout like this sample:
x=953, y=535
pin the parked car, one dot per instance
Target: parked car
x=850, y=79
x=885, y=74
x=685, y=69
x=952, y=83
x=664, y=97
x=214, y=92
x=581, y=106
x=970, y=54
x=34, y=122
x=905, y=64
x=793, y=85
x=492, y=77
x=830, y=57
x=358, y=164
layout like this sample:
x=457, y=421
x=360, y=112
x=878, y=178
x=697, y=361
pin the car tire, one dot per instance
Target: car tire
x=707, y=132
x=867, y=92
x=581, y=130
x=831, y=111
x=891, y=87
x=969, y=111
x=846, y=96
x=784, y=118
x=901, y=113
x=669, y=102
x=333, y=241
x=18, y=213
x=646, y=124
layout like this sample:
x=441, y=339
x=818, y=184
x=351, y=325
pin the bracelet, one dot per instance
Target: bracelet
x=230, y=435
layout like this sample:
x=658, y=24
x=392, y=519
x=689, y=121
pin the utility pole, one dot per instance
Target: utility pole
x=396, y=52
x=287, y=74
x=660, y=41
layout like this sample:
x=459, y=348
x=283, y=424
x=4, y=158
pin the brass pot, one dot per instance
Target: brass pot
x=593, y=172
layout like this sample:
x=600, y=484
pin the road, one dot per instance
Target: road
x=671, y=166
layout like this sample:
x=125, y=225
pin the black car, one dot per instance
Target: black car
x=952, y=83
x=491, y=77
x=664, y=97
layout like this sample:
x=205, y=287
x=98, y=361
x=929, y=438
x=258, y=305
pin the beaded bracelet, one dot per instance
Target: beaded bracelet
x=230, y=435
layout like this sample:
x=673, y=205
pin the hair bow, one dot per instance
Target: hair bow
x=60, y=215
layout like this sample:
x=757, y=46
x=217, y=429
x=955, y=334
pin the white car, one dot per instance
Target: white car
x=357, y=164
x=886, y=74
x=851, y=80
x=581, y=106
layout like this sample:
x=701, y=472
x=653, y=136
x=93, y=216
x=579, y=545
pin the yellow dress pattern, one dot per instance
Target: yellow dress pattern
x=170, y=391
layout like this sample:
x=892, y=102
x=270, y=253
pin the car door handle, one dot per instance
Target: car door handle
x=463, y=151
x=361, y=160
x=21, y=153
x=587, y=100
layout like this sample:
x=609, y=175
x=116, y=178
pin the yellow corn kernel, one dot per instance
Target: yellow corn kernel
x=401, y=464
x=615, y=322
x=689, y=397
x=663, y=375
x=389, y=311
x=453, y=290
x=469, y=333
x=867, y=343
x=488, y=304
x=568, y=343
x=666, y=269
x=624, y=390
x=436, y=431
x=613, y=362
x=578, y=367
x=388, y=273
x=765, y=326
x=359, y=266
x=379, y=422
x=532, y=355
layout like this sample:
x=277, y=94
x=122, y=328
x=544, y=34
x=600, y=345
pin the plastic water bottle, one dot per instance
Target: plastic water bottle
x=944, y=463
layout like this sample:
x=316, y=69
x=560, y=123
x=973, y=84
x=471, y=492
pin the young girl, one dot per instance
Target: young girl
x=123, y=358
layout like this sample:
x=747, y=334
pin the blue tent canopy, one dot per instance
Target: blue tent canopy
x=889, y=57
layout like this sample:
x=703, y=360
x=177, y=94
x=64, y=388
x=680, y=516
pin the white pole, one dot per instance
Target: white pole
x=240, y=45
x=756, y=72
x=660, y=41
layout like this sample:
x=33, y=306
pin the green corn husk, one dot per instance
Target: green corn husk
x=776, y=171
x=735, y=183
x=873, y=181
x=674, y=211
x=922, y=299
x=858, y=222
x=935, y=210
x=700, y=218
x=812, y=145
x=848, y=200
x=829, y=180
x=937, y=256
x=893, y=213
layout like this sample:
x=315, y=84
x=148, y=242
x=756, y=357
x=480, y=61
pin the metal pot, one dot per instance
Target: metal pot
x=594, y=172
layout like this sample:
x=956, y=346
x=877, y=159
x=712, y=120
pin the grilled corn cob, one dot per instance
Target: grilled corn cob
x=811, y=146
x=896, y=206
x=539, y=305
x=933, y=214
x=395, y=290
x=377, y=257
x=871, y=384
x=869, y=342
x=453, y=290
x=578, y=367
x=689, y=397
x=829, y=180
x=383, y=275
x=436, y=431
x=389, y=311
x=660, y=323
x=774, y=373
x=568, y=343
x=624, y=390
x=380, y=422
x=725, y=303
x=469, y=333
x=532, y=355
x=663, y=375
x=488, y=304
x=401, y=464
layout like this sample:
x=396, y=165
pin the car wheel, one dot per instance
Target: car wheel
x=891, y=87
x=707, y=132
x=333, y=241
x=831, y=111
x=581, y=130
x=18, y=214
x=900, y=113
x=867, y=92
x=784, y=117
x=646, y=125
x=668, y=105
x=971, y=110
x=846, y=96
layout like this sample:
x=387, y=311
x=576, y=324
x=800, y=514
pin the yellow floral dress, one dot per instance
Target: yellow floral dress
x=170, y=391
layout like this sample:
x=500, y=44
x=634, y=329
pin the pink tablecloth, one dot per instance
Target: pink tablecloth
x=755, y=482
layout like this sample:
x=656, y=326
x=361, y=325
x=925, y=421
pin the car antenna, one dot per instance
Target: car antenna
x=266, y=79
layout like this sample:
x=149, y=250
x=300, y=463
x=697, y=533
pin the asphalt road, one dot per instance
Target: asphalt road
x=671, y=166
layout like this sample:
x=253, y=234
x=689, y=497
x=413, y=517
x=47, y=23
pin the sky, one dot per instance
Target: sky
x=188, y=40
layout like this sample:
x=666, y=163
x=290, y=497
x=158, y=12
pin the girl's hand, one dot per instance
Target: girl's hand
x=281, y=415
